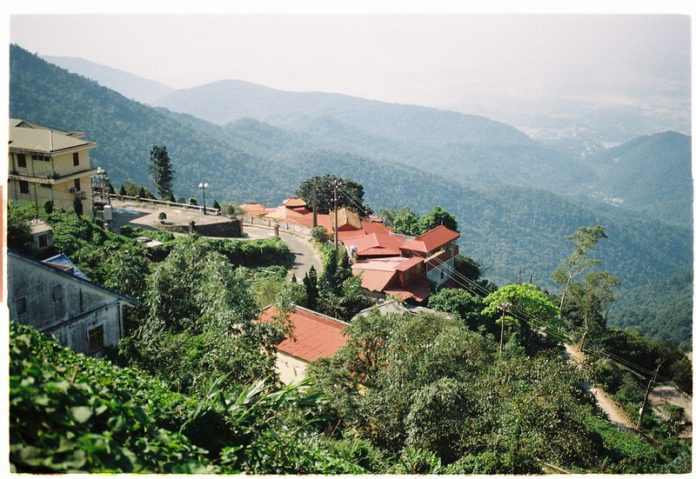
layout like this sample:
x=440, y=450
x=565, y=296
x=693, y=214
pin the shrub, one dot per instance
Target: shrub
x=319, y=234
x=162, y=215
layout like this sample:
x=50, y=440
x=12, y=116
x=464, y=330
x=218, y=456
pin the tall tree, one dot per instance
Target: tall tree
x=311, y=289
x=161, y=170
x=350, y=193
x=585, y=239
x=437, y=216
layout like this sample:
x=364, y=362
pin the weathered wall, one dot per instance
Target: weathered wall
x=60, y=304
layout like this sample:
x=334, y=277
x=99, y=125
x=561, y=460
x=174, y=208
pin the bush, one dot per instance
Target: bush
x=319, y=234
x=162, y=215
x=48, y=207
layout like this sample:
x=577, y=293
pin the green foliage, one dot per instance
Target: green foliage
x=48, y=207
x=70, y=414
x=19, y=215
x=339, y=292
x=231, y=209
x=661, y=309
x=436, y=217
x=404, y=221
x=461, y=304
x=311, y=288
x=319, y=234
x=132, y=189
x=506, y=228
x=323, y=186
x=161, y=170
x=530, y=307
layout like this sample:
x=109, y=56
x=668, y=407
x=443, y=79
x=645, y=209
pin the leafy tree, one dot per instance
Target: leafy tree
x=402, y=221
x=467, y=267
x=350, y=193
x=436, y=217
x=161, y=170
x=122, y=191
x=216, y=205
x=531, y=308
x=19, y=215
x=310, y=284
x=461, y=304
x=585, y=239
x=319, y=234
x=593, y=294
x=193, y=201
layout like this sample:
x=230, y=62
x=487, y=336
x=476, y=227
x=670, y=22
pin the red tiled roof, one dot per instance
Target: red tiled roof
x=294, y=202
x=313, y=335
x=409, y=263
x=285, y=213
x=378, y=273
x=373, y=280
x=374, y=244
x=254, y=209
x=431, y=240
x=419, y=291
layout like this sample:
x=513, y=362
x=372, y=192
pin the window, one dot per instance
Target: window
x=96, y=339
x=21, y=305
x=22, y=160
x=24, y=187
x=77, y=184
x=76, y=159
x=43, y=241
x=57, y=292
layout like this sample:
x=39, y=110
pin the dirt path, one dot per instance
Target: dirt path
x=613, y=411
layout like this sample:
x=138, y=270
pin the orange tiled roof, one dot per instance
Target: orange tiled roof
x=431, y=240
x=313, y=335
x=377, y=274
x=375, y=244
x=254, y=209
x=294, y=202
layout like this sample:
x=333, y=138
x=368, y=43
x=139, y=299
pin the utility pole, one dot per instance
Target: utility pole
x=335, y=201
x=647, y=393
x=504, y=307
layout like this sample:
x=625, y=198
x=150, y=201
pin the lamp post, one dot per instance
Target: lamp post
x=203, y=186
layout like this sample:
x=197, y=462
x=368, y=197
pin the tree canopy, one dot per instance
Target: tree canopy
x=350, y=193
x=162, y=171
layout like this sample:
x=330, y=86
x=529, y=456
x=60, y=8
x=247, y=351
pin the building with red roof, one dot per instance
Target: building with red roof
x=397, y=276
x=373, y=245
x=438, y=248
x=312, y=335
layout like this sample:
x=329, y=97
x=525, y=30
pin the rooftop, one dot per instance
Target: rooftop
x=312, y=336
x=30, y=137
x=431, y=240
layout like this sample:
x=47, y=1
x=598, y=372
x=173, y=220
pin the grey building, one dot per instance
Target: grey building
x=56, y=298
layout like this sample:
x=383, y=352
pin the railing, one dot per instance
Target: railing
x=282, y=226
x=169, y=204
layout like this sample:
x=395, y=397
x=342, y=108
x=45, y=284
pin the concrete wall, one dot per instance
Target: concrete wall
x=62, y=305
x=290, y=369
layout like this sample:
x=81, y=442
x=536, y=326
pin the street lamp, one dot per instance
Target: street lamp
x=203, y=186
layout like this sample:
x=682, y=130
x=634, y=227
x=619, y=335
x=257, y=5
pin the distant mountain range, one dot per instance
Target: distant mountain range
x=506, y=228
x=654, y=176
x=127, y=84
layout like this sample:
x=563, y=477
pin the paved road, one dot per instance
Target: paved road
x=305, y=255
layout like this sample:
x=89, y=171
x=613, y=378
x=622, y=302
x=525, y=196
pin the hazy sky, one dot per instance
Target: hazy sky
x=474, y=62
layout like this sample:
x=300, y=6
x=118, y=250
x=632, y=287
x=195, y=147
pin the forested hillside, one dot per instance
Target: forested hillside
x=667, y=315
x=507, y=229
x=651, y=174
x=469, y=149
x=127, y=84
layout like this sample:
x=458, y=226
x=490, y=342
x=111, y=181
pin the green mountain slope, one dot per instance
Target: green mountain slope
x=127, y=84
x=650, y=174
x=659, y=309
x=470, y=149
x=507, y=229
